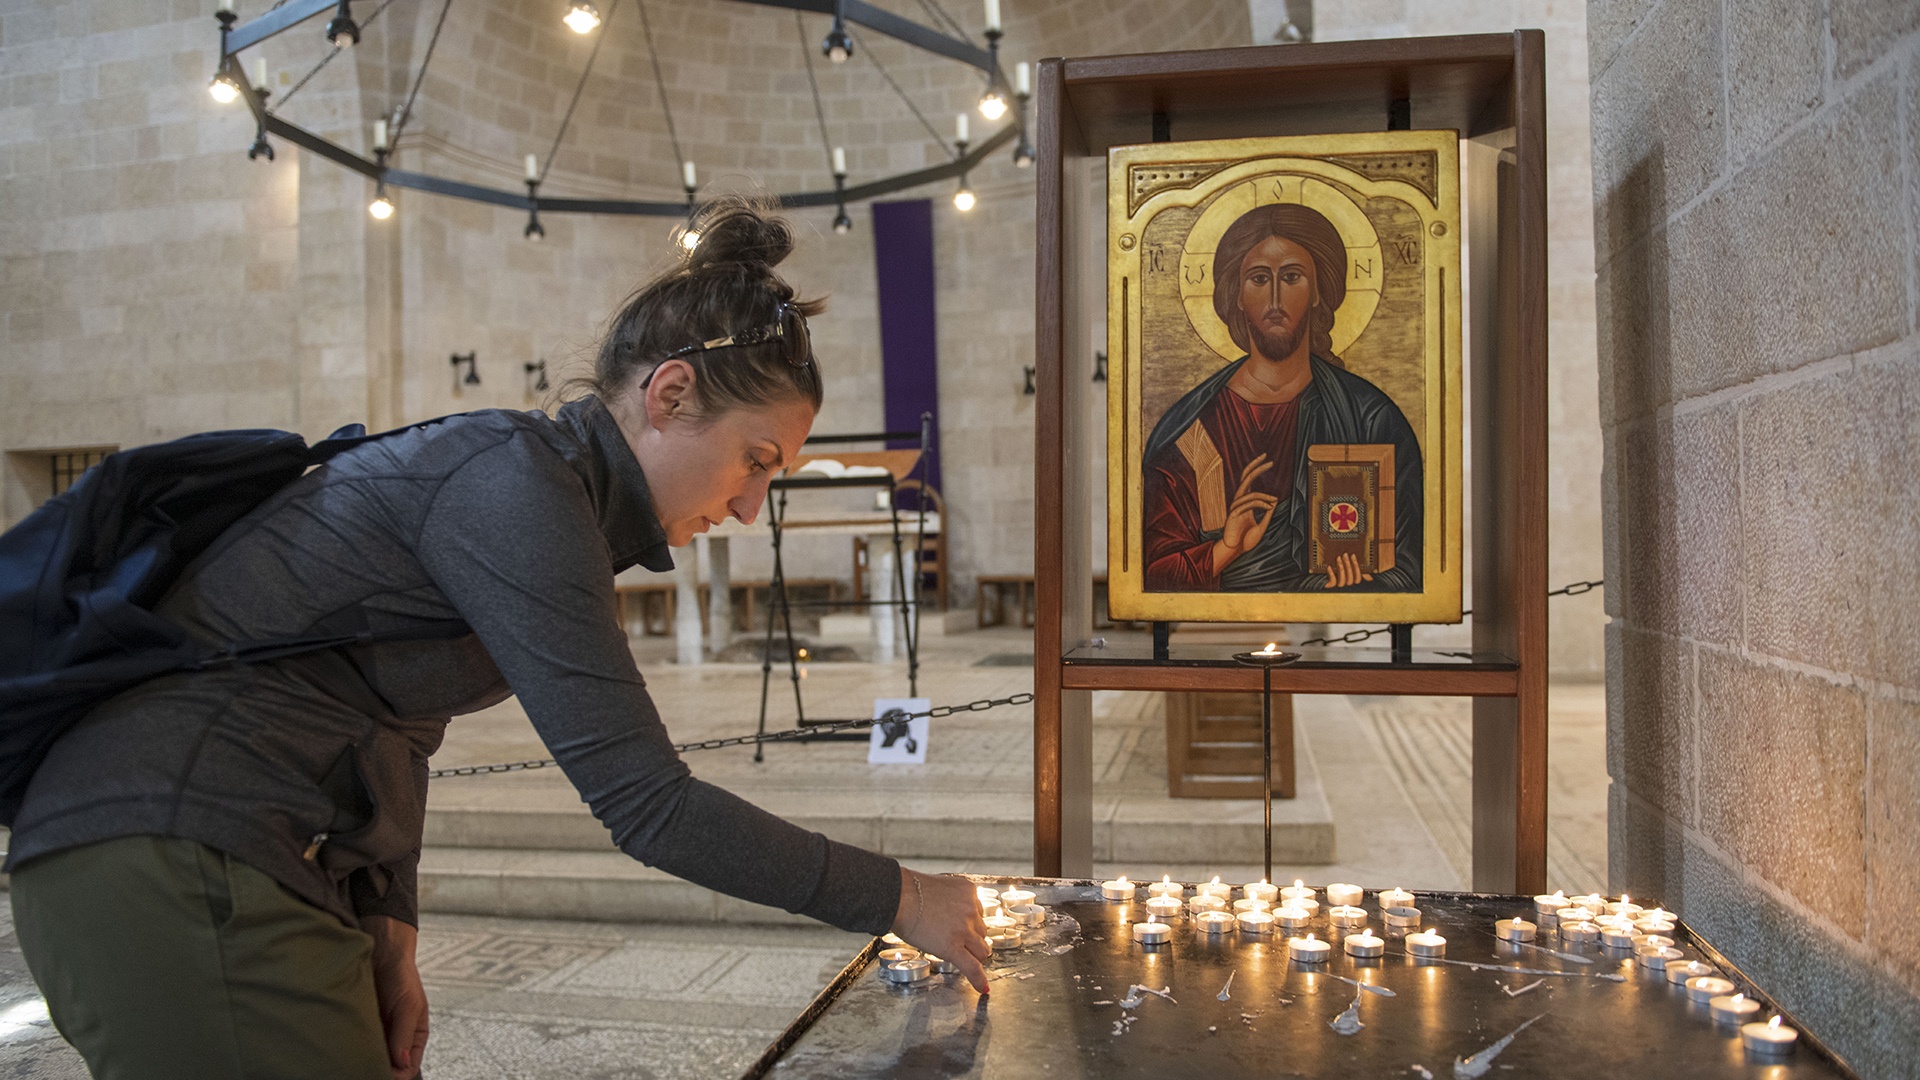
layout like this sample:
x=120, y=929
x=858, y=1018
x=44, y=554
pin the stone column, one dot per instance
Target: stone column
x=719, y=593
x=686, y=607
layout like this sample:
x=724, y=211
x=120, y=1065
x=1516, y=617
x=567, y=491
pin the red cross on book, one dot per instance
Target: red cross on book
x=1350, y=505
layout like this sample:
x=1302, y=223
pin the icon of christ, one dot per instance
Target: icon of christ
x=1227, y=487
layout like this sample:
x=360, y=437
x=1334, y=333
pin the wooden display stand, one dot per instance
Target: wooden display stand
x=1491, y=89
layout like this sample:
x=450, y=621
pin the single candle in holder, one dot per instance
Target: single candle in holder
x=1514, y=930
x=1678, y=974
x=1365, y=945
x=1617, y=937
x=1029, y=914
x=1579, y=933
x=1292, y=918
x=1347, y=917
x=1151, y=932
x=1299, y=890
x=1166, y=886
x=1261, y=890
x=1707, y=987
x=1426, y=945
x=1657, y=957
x=987, y=895
x=1345, y=895
x=1255, y=922
x=1772, y=1039
x=1001, y=924
x=1551, y=905
x=912, y=971
x=1246, y=904
x=1214, y=888
x=1736, y=1009
x=1574, y=913
x=1395, y=898
x=1401, y=917
x=899, y=955
x=1215, y=922
x=1308, y=950
x=1591, y=901
x=1165, y=907
x=1117, y=889
x=1199, y=902
x=1624, y=907
x=1654, y=941
x=1015, y=897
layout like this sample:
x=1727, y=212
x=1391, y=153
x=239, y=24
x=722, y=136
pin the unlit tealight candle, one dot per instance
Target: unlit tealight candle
x=1734, y=1009
x=1345, y=895
x=1117, y=889
x=1771, y=1039
x=1514, y=930
x=912, y=971
x=1707, y=987
x=1426, y=945
x=1028, y=914
x=1151, y=932
x=1308, y=950
x=1347, y=917
x=1401, y=917
x=1365, y=945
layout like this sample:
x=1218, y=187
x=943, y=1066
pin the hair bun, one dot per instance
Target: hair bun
x=738, y=232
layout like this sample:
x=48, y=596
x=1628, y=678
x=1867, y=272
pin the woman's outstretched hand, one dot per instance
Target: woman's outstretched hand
x=940, y=914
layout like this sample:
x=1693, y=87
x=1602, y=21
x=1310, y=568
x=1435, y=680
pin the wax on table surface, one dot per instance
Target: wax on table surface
x=1057, y=999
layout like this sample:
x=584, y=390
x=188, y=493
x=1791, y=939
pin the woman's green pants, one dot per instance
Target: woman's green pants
x=163, y=958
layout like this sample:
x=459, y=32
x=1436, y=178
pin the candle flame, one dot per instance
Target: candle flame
x=1216, y=879
x=1166, y=879
x=1123, y=879
x=1272, y=647
x=1625, y=899
x=1151, y=919
x=1264, y=881
x=1774, y=1023
x=1738, y=998
x=1558, y=895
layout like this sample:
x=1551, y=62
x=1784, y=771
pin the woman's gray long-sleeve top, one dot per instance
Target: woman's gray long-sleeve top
x=313, y=769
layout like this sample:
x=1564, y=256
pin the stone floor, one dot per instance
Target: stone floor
x=537, y=998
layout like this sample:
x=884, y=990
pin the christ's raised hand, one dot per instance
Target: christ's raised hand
x=1247, y=518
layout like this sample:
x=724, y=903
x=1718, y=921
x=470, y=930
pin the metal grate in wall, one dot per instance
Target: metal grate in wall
x=67, y=466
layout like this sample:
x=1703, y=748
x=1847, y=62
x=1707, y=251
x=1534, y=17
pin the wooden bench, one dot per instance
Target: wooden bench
x=999, y=585
x=1214, y=747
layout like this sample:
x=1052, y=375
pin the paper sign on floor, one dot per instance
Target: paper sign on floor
x=897, y=743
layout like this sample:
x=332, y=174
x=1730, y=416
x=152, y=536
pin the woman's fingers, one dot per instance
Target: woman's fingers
x=971, y=969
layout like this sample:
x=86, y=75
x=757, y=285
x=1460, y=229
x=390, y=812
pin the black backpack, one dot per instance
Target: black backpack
x=79, y=576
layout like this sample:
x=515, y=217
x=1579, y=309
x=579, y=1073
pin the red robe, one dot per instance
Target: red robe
x=1178, y=557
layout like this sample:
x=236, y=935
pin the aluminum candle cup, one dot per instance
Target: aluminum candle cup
x=1292, y=918
x=988, y=896
x=1551, y=905
x=1579, y=933
x=1151, y=933
x=1572, y=913
x=1707, y=987
x=1296, y=892
x=1401, y=917
x=898, y=956
x=1261, y=890
x=1514, y=930
x=1345, y=895
x=1657, y=957
x=1308, y=950
x=1395, y=898
x=1028, y=914
x=1654, y=941
x=1002, y=931
x=1251, y=905
x=1258, y=923
x=1205, y=902
x=1678, y=974
x=1624, y=907
x=1015, y=897
x=892, y=939
x=944, y=967
x=1364, y=945
x=912, y=971
x=1215, y=922
x=1772, y=1039
x=1166, y=907
x=1591, y=901
x=1426, y=945
x=1166, y=886
x=1735, y=1009
x=991, y=907
x=1117, y=889
x=1214, y=888
x=1347, y=917
x=1617, y=937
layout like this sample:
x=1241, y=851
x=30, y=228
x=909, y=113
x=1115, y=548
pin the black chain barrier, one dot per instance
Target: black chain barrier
x=896, y=720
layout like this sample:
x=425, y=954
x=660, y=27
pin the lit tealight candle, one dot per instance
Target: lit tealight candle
x=1292, y=918
x=1308, y=950
x=1514, y=930
x=1205, y=902
x=1151, y=932
x=1345, y=895
x=1653, y=941
x=1737, y=1009
x=1624, y=906
x=1678, y=974
x=1579, y=933
x=898, y=956
x=1365, y=945
x=1117, y=889
x=1575, y=913
x=1551, y=905
x=1028, y=914
x=1166, y=886
x=1213, y=888
x=893, y=939
x=1707, y=987
x=912, y=971
x=1261, y=890
x=1258, y=923
x=1215, y=922
x=1015, y=897
x=1657, y=957
x=1615, y=936
x=1001, y=924
x=1165, y=907
x=1401, y=917
x=1251, y=905
x=1299, y=890
x=1396, y=898
x=1426, y=945
x=1347, y=917
x=1771, y=1039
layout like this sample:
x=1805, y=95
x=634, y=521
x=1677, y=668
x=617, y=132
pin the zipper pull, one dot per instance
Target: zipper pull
x=313, y=849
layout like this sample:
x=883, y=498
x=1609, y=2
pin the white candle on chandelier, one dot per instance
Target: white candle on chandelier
x=533, y=168
x=379, y=134
x=839, y=161
x=688, y=178
x=260, y=71
x=960, y=127
x=993, y=14
x=1022, y=79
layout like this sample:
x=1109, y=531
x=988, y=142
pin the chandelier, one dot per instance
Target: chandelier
x=230, y=83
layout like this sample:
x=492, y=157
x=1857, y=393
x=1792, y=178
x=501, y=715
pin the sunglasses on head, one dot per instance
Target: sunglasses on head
x=788, y=327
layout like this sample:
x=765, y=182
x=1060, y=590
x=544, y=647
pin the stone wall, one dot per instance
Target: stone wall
x=1756, y=175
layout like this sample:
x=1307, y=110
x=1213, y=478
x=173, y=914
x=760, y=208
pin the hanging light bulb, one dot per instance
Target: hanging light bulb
x=224, y=89
x=582, y=17
x=838, y=44
x=534, y=231
x=963, y=199
x=841, y=222
x=381, y=207
x=993, y=106
x=341, y=29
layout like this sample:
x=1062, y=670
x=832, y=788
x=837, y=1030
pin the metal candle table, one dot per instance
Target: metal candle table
x=1079, y=998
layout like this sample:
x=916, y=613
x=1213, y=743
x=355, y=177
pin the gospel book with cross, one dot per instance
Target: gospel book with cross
x=1350, y=505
